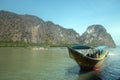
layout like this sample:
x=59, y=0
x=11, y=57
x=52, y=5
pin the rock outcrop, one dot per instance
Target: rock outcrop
x=28, y=28
x=96, y=35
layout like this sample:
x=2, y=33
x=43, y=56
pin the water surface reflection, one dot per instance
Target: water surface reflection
x=52, y=64
x=84, y=75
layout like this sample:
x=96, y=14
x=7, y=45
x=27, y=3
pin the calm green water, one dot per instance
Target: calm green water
x=52, y=64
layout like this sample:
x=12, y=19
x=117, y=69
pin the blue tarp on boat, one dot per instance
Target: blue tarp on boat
x=80, y=47
x=101, y=47
x=87, y=47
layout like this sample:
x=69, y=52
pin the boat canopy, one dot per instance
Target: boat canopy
x=80, y=47
x=101, y=47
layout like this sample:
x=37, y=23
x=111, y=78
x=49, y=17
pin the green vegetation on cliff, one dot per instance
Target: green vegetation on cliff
x=31, y=29
x=23, y=44
x=28, y=30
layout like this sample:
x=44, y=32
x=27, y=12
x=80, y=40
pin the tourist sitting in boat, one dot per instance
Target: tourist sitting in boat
x=95, y=54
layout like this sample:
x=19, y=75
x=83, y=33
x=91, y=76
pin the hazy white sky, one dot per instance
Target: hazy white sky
x=76, y=14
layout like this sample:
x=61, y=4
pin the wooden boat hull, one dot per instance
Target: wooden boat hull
x=85, y=62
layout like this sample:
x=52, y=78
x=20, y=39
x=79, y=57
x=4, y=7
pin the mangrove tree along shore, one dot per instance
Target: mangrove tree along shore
x=23, y=44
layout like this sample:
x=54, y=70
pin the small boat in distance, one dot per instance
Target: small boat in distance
x=88, y=58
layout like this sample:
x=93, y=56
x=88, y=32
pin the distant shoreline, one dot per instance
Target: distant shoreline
x=23, y=44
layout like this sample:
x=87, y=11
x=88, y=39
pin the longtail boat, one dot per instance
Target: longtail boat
x=88, y=58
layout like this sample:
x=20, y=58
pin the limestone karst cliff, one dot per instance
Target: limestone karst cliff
x=28, y=28
x=96, y=35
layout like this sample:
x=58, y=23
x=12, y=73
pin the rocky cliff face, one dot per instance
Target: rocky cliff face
x=97, y=35
x=28, y=28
